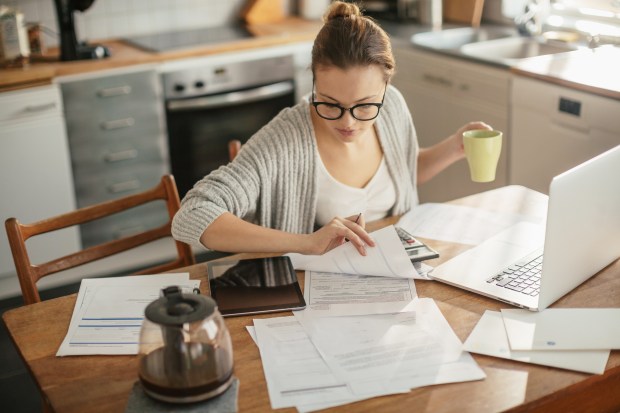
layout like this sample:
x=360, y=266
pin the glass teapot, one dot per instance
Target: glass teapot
x=185, y=348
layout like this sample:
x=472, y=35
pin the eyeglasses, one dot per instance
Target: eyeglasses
x=333, y=111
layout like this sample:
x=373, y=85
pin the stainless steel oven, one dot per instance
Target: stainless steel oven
x=210, y=105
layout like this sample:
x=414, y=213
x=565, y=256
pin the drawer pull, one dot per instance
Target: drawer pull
x=114, y=91
x=124, y=186
x=118, y=124
x=121, y=155
x=41, y=107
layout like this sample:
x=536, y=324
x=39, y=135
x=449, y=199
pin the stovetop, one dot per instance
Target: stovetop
x=184, y=39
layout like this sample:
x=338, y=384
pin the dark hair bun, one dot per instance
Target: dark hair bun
x=341, y=9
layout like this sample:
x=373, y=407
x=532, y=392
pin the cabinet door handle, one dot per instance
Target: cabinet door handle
x=124, y=186
x=114, y=91
x=41, y=107
x=121, y=155
x=117, y=124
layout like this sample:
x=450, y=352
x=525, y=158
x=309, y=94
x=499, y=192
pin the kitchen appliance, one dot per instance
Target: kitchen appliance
x=183, y=39
x=70, y=48
x=185, y=348
x=402, y=10
x=209, y=105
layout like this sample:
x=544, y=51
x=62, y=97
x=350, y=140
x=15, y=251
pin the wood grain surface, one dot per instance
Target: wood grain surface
x=103, y=383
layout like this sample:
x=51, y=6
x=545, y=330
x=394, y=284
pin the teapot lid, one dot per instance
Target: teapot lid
x=176, y=308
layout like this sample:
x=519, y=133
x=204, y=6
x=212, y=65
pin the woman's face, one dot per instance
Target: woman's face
x=360, y=84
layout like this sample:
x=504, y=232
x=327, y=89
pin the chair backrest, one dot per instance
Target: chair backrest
x=234, y=146
x=29, y=273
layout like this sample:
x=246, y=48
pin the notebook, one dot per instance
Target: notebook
x=581, y=237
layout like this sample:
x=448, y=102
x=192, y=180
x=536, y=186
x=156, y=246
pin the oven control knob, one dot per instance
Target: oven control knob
x=199, y=84
x=179, y=87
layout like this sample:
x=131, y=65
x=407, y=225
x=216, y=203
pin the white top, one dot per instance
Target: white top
x=336, y=199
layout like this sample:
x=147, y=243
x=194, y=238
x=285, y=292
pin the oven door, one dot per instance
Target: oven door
x=200, y=128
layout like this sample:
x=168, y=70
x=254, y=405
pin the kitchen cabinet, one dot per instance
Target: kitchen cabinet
x=555, y=128
x=118, y=145
x=35, y=173
x=302, y=59
x=443, y=93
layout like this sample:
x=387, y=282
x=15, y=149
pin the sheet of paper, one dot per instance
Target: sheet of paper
x=489, y=337
x=423, y=271
x=387, y=259
x=108, y=313
x=455, y=223
x=295, y=372
x=252, y=333
x=563, y=329
x=383, y=351
x=334, y=294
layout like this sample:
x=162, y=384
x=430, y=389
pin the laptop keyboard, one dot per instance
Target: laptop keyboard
x=523, y=276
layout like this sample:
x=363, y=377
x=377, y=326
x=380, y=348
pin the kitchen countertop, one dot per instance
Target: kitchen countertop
x=591, y=71
x=289, y=30
x=594, y=71
x=585, y=70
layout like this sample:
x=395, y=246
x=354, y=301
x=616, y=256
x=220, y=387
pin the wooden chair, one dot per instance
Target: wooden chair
x=234, y=146
x=29, y=273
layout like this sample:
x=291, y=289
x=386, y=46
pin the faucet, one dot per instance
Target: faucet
x=596, y=40
x=530, y=23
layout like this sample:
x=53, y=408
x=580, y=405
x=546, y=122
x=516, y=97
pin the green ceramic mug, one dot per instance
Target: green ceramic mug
x=482, y=149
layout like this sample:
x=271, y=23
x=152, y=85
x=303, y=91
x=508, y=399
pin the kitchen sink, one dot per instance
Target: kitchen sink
x=513, y=48
x=455, y=38
x=494, y=44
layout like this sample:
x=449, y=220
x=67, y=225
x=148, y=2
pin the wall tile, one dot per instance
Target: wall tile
x=125, y=18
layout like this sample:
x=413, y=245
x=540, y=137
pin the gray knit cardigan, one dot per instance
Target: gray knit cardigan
x=273, y=180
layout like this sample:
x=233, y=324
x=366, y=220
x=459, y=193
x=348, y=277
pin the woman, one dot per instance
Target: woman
x=349, y=150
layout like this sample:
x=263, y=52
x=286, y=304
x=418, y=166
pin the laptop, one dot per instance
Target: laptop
x=531, y=266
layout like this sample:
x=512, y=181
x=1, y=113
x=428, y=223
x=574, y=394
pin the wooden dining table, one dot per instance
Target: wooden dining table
x=104, y=383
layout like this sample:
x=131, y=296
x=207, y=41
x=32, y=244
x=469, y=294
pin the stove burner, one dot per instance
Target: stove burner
x=184, y=39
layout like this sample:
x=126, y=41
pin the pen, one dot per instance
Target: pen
x=358, y=217
x=356, y=221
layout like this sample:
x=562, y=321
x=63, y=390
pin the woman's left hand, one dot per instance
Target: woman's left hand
x=457, y=137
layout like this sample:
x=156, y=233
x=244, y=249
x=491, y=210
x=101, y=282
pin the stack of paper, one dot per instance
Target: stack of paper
x=108, y=312
x=570, y=338
x=360, y=337
x=363, y=334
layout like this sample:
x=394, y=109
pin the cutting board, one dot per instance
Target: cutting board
x=263, y=11
x=463, y=11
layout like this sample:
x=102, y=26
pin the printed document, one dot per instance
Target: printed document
x=489, y=337
x=455, y=223
x=387, y=259
x=389, y=352
x=295, y=372
x=108, y=312
x=334, y=294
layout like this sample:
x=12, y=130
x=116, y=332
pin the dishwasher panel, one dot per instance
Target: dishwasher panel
x=555, y=128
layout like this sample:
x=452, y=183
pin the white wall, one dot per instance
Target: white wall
x=107, y=19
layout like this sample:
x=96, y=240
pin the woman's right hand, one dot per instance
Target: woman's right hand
x=337, y=232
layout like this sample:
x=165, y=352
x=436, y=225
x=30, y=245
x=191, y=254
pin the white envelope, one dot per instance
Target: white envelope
x=489, y=338
x=563, y=329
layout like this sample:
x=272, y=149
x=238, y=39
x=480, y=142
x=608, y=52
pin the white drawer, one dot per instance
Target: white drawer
x=30, y=104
